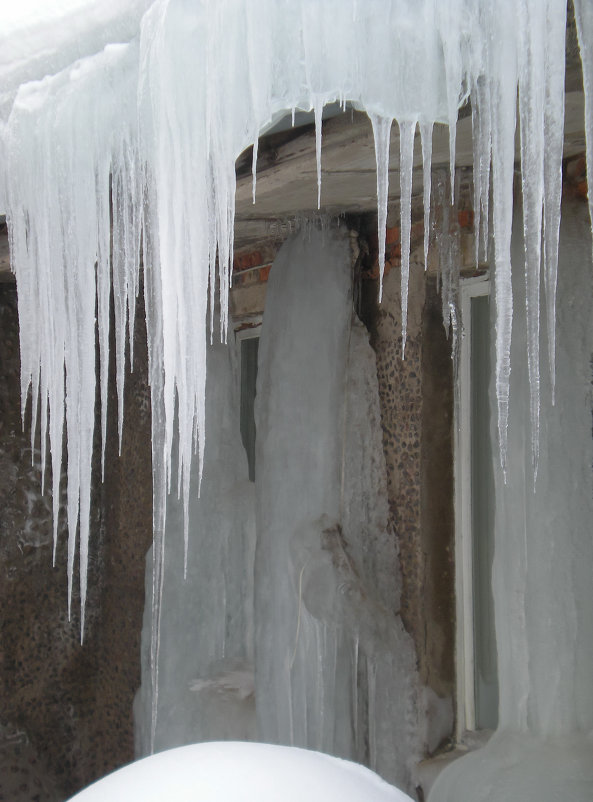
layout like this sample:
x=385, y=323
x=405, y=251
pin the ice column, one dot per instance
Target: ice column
x=330, y=648
x=543, y=564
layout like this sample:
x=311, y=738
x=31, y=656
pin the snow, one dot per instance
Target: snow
x=155, y=101
x=226, y=772
x=38, y=38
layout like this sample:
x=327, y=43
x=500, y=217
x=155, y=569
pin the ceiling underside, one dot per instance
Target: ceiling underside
x=287, y=172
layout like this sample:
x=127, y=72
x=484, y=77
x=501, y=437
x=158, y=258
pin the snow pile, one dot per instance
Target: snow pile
x=226, y=772
x=160, y=122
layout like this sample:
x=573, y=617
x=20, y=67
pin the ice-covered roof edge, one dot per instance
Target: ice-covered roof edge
x=159, y=124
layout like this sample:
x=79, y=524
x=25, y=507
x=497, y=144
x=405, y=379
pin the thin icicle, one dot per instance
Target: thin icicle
x=318, y=109
x=554, y=141
x=407, y=130
x=254, y=168
x=503, y=96
x=382, y=137
x=475, y=179
x=484, y=149
x=532, y=58
x=426, y=136
x=103, y=280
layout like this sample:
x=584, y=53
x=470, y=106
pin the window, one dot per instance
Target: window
x=477, y=679
x=248, y=342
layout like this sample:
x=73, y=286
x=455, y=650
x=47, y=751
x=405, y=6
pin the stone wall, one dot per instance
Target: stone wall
x=416, y=395
x=66, y=709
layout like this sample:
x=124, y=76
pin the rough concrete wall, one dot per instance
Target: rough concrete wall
x=416, y=395
x=65, y=710
x=400, y=389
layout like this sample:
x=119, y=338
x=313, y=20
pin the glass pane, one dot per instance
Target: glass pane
x=249, y=350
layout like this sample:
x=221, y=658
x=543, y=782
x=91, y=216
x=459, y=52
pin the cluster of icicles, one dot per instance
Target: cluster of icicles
x=128, y=156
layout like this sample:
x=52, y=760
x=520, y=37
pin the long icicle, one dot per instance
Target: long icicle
x=407, y=130
x=382, y=136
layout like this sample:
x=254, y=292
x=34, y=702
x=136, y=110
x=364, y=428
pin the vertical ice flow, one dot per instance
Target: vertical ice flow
x=407, y=130
x=502, y=73
x=128, y=121
x=426, y=135
x=318, y=109
x=531, y=63
x=554, y=141
x=382, y=135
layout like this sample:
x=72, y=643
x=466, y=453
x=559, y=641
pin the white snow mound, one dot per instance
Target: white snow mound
x=242, y=772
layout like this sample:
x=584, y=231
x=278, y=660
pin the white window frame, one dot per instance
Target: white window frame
x=465, y=647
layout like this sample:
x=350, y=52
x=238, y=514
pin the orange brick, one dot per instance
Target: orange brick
x=466, y=218
x=392, y=235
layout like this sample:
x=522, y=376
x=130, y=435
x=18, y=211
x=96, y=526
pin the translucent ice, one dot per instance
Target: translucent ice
x=543, y=552
x=329, y=646
x=205, y=631
x=154, y=128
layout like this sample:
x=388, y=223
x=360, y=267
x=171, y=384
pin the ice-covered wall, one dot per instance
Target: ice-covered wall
x=543, y=564
x=127, y=120
x=126, y=124
x=204, y=685
x=335, y=670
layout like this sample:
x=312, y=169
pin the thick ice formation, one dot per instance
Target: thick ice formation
x=202, y=688
x=329, y=646
x=160, y=122
x=226, y=772
x=543, y=554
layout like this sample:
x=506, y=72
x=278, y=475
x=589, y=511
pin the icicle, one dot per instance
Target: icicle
x=318, y=109
x=484, y=149
x=426, y=136
x=254, y=168
x=372, y=703
x=502, y=66
x=103, y=280
x=554, y=65
x=477, y=152
x=532, y=57
x=449, y=28
x=67, y=133
x=407, y=130
x=382, y=136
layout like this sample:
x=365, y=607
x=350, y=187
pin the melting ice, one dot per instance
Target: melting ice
x=149, y=131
